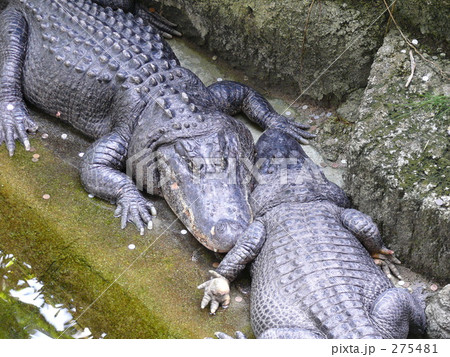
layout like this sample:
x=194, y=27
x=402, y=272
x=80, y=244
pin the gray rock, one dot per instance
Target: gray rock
x=438, y=314
x=266, y=39
x=399, y=158
x=349, y=110
x=428, y=18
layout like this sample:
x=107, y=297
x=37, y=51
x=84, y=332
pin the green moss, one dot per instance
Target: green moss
x=78, y=250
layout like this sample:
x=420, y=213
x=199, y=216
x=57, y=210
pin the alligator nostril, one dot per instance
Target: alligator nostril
x=221, y=227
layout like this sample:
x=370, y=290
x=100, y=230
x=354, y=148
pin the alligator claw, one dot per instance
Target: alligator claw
x=14, y=125
x=135, y=209
x=386, y=259
x=291, y=127
x=166, y=27
x=217, y=292
x=224, y=336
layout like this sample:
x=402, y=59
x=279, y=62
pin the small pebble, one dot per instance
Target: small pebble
x=344, y=162
x=46, y=197
x=305, y=107
x=91, y=195
x=415, y=42
x=215, y=265
x=238, y=299
x=425, y=78
x=36, y=156
x=316, y=117
x=219, y=79
x=439, y=202
x=245, y=78
x=32, y=149
x=131, y=247
x=44, y=136
x=214, y=58
x=401, y=283
x=323, y=164
x=58, y=114
x=34, y=160
x=335, y=165
x=64, y=136
x=403, y=51
x=183, y=231
x=433, y=287
x=10, y=107
x=329, y=115
x=288, y=113
x=81, y=154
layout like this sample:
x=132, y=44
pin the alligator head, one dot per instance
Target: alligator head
x=202, y=173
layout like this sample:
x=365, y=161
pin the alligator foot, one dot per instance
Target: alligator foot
x=14, y=124
x=291, y=127
x=386, y=259
x=166, y=27
x=224, y=336
x=135, y=209
x=217, y=292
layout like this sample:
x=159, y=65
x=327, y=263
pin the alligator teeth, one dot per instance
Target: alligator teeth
x=171, y=77
x=161, y=78
x=173, y=90
x=161, y=93
x=153, y=81
x=166, y=65
x=193, y=108
x=201, y=118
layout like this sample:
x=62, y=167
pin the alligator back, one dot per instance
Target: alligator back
x=84, y=62
x=314, y=273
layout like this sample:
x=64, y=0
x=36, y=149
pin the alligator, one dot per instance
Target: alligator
x=116, y=79
x=313, y=276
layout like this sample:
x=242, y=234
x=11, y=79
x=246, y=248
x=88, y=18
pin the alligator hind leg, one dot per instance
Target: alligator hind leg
x=397, y=312
x=233, y=98
x=363, y=228
x=14, y=118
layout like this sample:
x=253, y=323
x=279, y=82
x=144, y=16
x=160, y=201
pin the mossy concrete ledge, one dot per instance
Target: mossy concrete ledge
x=399, y=156
x=287, y=43
x=78, y=251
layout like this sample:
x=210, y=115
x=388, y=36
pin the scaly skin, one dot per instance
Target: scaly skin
x=116, y=80
x=313, y=276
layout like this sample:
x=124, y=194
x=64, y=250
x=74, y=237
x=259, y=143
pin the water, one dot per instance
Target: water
x=27, y=310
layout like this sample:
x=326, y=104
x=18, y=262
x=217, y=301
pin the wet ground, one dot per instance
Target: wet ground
x=65, y=264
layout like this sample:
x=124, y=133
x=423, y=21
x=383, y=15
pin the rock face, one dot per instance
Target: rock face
x=288, y=43
x=399, y=157
x=428, y=18
x=438, y=314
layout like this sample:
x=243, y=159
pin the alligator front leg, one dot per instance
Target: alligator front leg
x=246, y=249
x=101, y=175
x=363, y=228
x=14, y=118
x=233, y=98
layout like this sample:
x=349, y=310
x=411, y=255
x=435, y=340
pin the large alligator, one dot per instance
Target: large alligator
x=313, y=276
x=117, y=80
